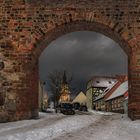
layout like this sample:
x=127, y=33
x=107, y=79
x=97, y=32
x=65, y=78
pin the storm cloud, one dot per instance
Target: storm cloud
x=83, y=54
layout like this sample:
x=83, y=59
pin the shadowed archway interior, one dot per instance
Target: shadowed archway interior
x=76, y=26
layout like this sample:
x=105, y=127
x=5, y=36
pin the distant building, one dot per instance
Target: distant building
x=42, y=97
x=80, y=98
x=118, y=100
x=114, y=98
x=65, y=91
x=96, y=86
x=45, y=102
x=99, y=102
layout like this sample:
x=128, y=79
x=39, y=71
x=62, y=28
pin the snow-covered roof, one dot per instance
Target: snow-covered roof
x=81, y=97
x=103, y=81
x=105, y=91
x=123, y=88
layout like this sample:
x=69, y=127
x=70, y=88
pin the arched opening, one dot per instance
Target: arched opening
x=68, y=28
x=80, y=26
x=85, y=55
x=31, y=22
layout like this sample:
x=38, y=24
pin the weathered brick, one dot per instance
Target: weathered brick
x=24, y=27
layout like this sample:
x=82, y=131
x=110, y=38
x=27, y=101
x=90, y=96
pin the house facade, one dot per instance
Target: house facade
x=117, y=101
x=99, y=101
x=80, y=98
x=114, y=98
x=96, y=87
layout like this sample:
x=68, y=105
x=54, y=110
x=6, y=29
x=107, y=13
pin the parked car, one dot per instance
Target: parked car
x=76, y=105
x=83, y=108
x=65, y=108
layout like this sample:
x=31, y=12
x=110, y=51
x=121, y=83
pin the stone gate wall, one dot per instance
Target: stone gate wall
x=24, y=24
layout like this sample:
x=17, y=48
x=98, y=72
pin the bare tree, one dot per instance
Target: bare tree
x=55, y=81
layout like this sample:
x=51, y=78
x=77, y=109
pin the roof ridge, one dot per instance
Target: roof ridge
x=123, y=84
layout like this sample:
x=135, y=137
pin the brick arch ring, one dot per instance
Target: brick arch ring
x=27, y=95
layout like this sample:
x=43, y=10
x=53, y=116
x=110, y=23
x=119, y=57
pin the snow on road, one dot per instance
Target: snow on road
x=46, y=128
x=109, y=127
x=26, y=123
x=87, y=126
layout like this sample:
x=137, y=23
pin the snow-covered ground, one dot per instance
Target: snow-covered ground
x=86, y=126
x=101, y=112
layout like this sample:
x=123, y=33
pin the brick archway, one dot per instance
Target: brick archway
x=26, y=26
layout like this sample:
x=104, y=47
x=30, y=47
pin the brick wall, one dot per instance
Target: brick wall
x=25, y=26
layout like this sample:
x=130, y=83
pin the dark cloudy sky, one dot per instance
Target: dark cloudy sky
x=83, y=54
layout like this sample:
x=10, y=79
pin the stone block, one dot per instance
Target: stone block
x=3, y=116
x=11, y=96
x=10, y=105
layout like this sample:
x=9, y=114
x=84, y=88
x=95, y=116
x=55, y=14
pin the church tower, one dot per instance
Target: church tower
x=65, y=91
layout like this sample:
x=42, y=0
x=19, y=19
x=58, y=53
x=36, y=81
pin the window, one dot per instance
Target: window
x=100, y=91
x=119, y=105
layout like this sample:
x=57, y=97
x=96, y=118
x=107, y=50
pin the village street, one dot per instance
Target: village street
x=82, y=126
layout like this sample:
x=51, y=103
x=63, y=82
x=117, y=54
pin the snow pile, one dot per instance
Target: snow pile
x=112, y=127
x=119, y=127
x=24, y=123
x=95, y=125
x=53, y=130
